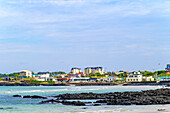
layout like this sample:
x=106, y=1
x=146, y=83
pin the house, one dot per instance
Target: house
x=80, y=74
x=43, y=76
x=56, y=76
x=51, y=79
x=35, y=76
x=74, y=75
x=117, y=73
x=148, y=78
x=167, y=69
x=59, y=76
x=93, y=79
x=163, y=78
x=63, y=79
x=93, y=70
x=134, y=77
x=76, y=70
x=75, y=79
x=25, y=73
x=126, y=72
x=110, y=78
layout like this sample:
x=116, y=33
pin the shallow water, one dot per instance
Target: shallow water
x=9, y=104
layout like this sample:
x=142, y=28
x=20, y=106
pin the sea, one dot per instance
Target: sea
x=9, y=104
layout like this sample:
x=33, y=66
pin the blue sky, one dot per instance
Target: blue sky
x=54, y=35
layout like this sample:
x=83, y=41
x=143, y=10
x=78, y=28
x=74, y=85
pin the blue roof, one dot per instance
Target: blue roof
x=93, y=78
x=55, y=75
x=4, y=76
x=163, y=77
x=34, y=75
x=43, y=73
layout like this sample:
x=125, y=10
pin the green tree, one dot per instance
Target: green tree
x=122, y=75
x=16, y=76
x=160, y=72
x=148, y=73
x=121, y=71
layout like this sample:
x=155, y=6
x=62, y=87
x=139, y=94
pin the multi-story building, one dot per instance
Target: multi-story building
x=167, y=69
x=134, y=77
x=93, y=70
x=26, y=73
x=76, y=70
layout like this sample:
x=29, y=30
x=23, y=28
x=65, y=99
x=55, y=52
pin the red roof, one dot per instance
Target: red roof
x=63, y=78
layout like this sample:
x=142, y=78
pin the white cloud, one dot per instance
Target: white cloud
x=7, y=13
x=58, y=2
x=102, y=7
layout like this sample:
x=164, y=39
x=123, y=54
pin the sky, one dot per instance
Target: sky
x=56, y=35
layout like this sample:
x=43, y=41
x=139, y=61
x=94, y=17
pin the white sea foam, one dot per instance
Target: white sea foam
x=79, y=89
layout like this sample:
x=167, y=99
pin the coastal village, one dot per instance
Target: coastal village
x=90, y=75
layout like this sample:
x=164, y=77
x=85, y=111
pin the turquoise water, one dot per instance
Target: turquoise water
x=9, y=104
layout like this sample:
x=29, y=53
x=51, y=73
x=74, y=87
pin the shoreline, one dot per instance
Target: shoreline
x=153, y=83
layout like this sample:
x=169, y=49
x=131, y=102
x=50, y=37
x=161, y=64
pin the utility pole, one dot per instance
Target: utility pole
x=154, y=74
x=113, y=72
x=157, y=72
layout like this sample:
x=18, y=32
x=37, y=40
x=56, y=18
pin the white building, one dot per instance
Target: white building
x=51, y=79
x=117, y=73
x=43, y=76
x=26, y=73
x=78, y=80
x=93, y=70
x=134, y=77
x=76, y=70
x=150, y=78
x=111, y=78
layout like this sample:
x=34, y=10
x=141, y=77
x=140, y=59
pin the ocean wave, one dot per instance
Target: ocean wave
x=80, y=88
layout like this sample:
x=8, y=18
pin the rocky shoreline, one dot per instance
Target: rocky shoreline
x=148, y=97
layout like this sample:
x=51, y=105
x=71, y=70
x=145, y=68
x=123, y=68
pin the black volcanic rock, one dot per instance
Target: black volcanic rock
x=17, y=96
x=26, y=96
x=35, y=97
x=75, y=103
x=38, y=97
x=50, y=101
x=148, y=97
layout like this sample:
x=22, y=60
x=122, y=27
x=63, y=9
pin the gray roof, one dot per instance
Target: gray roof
x=43, y=73
x=94, y=67
x=75, y=68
